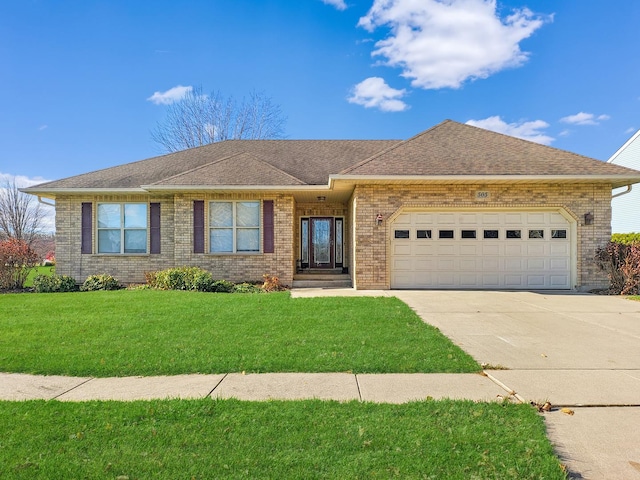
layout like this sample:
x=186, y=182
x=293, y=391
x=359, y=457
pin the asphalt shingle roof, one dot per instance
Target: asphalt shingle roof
x=448, y=149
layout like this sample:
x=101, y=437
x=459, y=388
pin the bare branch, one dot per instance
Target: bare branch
x=21, y=216
x=199, y=119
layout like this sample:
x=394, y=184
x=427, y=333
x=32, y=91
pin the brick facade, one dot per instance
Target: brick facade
x=366, y=245
x=371, y=250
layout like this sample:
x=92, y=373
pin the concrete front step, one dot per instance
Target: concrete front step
x=322, y=283
x=321, y=280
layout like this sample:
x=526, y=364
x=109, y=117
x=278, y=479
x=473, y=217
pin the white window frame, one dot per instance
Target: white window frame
x=235, y=228
x=122, y=228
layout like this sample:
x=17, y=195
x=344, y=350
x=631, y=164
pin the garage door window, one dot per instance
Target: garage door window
x=514, y=234
x=536, y=233
x=558, y=234
x=423, y=234
x=445, y=234
x=468, y=234
x=491, y=234
x=402, y=233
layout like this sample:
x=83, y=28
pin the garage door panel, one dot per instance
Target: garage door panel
x=493, y=262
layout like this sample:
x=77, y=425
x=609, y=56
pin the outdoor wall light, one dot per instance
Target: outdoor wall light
x=322, y=198
x=588, y=218
x=379, y=219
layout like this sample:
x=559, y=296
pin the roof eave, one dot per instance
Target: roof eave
x=212, y=188
x=53, y=192
x=614, y=180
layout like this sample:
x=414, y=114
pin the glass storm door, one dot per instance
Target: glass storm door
x=321, y=243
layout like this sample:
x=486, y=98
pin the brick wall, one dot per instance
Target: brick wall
x=176, y=241
x=372, y=247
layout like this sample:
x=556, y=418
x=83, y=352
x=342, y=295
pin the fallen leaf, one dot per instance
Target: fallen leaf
x=635, y=465
x=543, y=355
x=568, y=411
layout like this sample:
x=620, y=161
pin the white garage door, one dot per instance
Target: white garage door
x=484, y=250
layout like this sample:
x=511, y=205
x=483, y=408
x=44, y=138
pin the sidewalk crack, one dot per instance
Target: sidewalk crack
x=217, y=385
x=358, y=387
x=73, y=388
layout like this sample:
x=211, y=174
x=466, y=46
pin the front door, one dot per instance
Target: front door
x=322, y=253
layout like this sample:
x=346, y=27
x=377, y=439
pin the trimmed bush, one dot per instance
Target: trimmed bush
x=181, y=278
x=54, y=284
x=625, y=238
x=100, y=282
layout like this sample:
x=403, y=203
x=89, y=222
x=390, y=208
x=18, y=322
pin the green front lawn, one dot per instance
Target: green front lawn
x=294, y=440
x=149, y=332
x=35, y=271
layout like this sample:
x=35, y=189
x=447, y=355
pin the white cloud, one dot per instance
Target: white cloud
x=583, y=118
x=170, y=96
x=22, y=181
x=442, y=43
x=339, y=4
x=375, y=93
x=43, y=127
x=526, y=130
x=630, y=130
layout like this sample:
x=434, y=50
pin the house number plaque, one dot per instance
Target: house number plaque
x=482, y=195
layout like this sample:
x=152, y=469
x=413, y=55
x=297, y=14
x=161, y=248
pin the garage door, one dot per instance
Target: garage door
x=484, y=250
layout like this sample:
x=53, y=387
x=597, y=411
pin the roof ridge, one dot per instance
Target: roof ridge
x=224, y=159
x=392, y=147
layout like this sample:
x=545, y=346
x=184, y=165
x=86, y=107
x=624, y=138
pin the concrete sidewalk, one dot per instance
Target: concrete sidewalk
x=388, y=388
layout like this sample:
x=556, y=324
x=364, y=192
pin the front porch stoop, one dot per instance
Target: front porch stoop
x=322, y=279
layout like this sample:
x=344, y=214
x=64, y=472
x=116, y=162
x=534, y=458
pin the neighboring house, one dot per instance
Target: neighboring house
x=453, y=207
x=625, y=217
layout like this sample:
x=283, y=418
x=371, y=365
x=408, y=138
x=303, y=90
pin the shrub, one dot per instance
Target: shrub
x=54, y=283
x=622, y=264
x=247, y=288
x=100, y=282
x=223, y=286
x=17, y=258
x=272, y=283
x=625, y=238
x=181, y=278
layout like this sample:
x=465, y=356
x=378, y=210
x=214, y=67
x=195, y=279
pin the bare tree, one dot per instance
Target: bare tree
x=21, y=216
x=199, y=119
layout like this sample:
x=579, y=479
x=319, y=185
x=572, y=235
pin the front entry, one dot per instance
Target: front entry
x=321, y=242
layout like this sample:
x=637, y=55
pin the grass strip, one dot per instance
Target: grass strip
x=148, y=332
x=230, y=439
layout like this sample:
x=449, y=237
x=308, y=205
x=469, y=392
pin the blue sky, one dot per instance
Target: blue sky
x=78, y=78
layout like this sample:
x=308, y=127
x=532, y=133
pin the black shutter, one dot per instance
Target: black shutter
x=87, y=228
x=154, y=227
x=198, y=226
x=267, y=226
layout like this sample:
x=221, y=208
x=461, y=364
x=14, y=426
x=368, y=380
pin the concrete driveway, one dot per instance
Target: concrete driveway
x=577, y=351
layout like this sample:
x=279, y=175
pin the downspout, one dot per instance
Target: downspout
x=53, y=204
x=622, y=193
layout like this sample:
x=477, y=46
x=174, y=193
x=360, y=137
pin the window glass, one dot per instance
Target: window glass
x=305, y=241
x=514, y=234
x=248, y=240
x=445, y=234
x=135, y=241
x=109, y=215
x=221, y=214
x=135, y=215
x=109, y=241
x=339, y=240
x=248, y=214
x=221, y=240
x=558, y=234
x=234, y=227
x=402, y=233
x=468, y=234
x=423, y=234
x=491, y=234
x=536, y=233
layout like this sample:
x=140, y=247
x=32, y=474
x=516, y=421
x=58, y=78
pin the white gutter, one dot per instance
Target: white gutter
x=628, y=190
x=45, y=203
